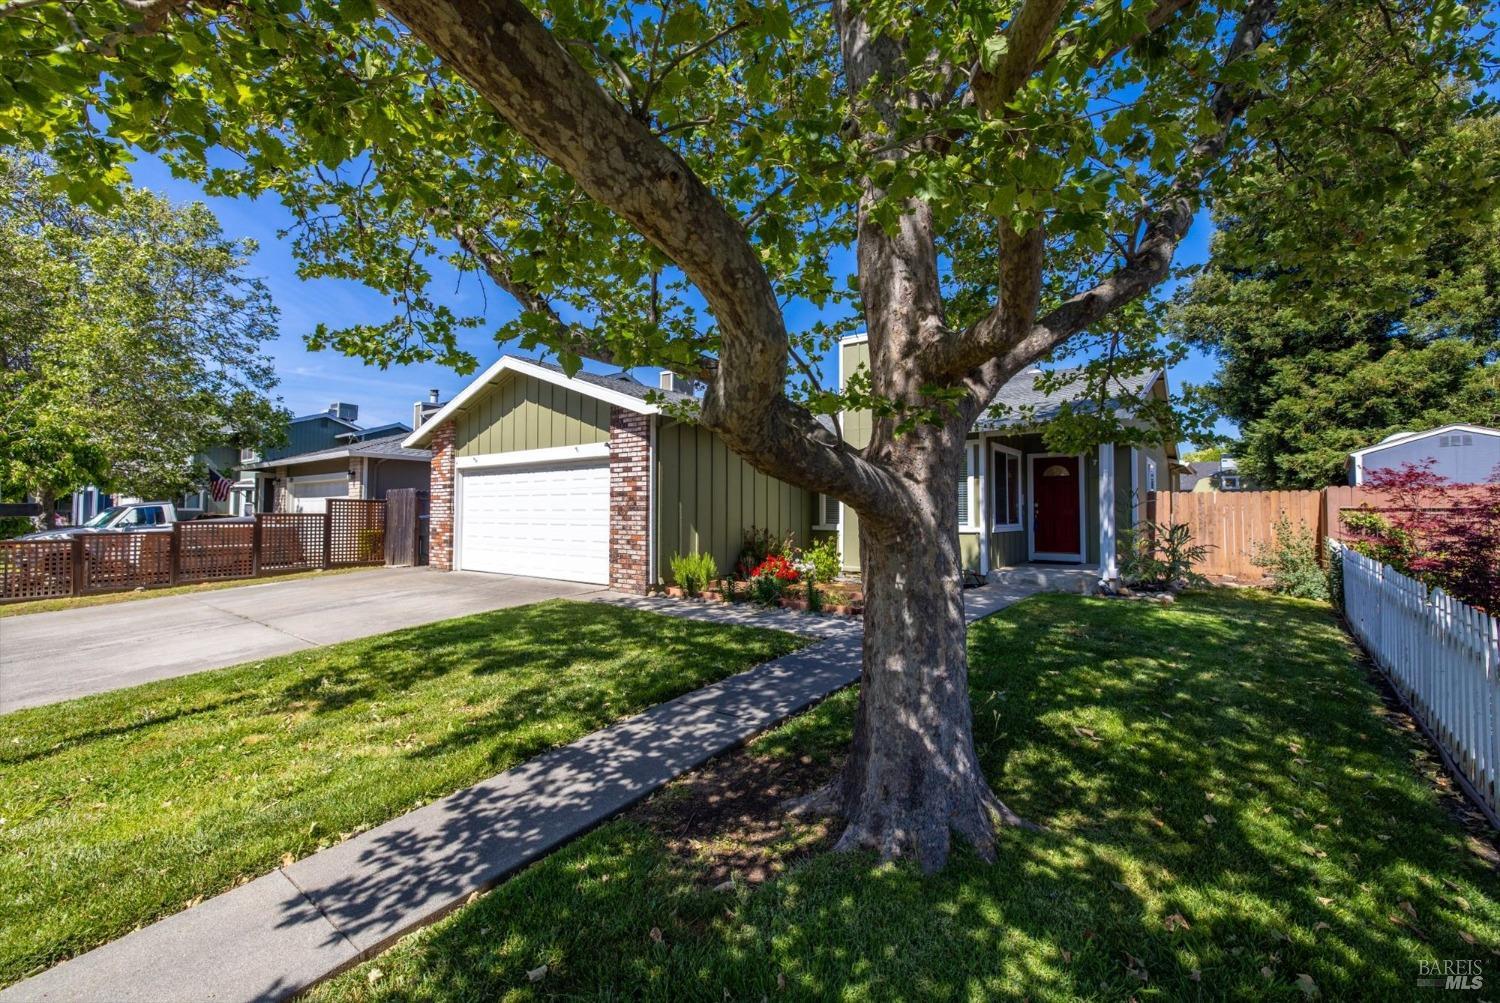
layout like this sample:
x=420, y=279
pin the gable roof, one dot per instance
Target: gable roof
x=621, y=390
x=388, y=447
x=324, y=414
x=1021, y=394
x=1402, y=438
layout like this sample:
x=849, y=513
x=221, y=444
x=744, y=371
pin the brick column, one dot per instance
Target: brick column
x=629, y=499
x=440, y=500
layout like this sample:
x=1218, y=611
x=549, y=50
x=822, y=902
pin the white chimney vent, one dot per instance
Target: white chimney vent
x=671, y=381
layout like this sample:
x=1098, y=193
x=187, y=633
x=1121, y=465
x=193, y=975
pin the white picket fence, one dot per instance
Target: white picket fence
x=1442, y=655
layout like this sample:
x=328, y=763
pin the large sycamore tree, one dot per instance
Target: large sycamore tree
x=667, y=182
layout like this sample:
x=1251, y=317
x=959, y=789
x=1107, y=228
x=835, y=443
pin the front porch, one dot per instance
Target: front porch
x=1080, y=579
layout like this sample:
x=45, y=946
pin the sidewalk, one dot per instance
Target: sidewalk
x=283, y=932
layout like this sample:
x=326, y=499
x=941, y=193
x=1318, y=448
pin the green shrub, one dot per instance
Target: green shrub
x=1158, y=556
x=766, y=590
x=824, y=558
x=15, y=525
x=814, y=597
x=1336, y=574
x=1291, y=559
x=693, y=572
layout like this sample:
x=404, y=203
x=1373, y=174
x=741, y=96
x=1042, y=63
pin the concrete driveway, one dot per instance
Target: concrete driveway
x=47, y=657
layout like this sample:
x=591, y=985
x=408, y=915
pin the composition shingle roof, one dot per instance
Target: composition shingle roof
x=384, y=448
x=1022, y=402
x=618, y=382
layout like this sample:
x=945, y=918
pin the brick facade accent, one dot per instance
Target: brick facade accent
x=629, y=499
x=440, y=500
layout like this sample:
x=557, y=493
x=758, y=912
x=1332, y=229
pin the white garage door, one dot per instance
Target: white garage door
x=311, y=494
x=545, y=521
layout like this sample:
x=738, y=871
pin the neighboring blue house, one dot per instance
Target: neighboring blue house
x=1464, y=454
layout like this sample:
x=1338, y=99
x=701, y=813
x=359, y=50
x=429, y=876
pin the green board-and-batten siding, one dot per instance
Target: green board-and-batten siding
x=523, y=412
x=707, y=497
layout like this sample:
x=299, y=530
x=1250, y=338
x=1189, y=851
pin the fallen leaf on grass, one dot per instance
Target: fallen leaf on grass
x=656, y=934
x=1177, y=921
x=1324, y=901
x=374, y=975
x=1468, y=938
x=1196, y=975
x=1266, y=973
x=537, y=974
x=1307, y=985
x=1210, y=820
x=1087, y=733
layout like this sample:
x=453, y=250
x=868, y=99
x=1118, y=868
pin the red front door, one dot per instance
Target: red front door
x=1055, y=506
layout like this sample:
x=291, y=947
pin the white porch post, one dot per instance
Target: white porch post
x=1108, y=569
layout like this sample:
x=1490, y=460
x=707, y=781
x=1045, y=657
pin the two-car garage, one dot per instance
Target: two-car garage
x=545, y=520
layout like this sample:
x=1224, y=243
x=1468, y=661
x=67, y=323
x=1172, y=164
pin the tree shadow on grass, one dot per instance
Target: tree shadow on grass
x=1217, y=785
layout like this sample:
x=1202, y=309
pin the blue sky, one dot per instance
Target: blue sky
x=310, y=381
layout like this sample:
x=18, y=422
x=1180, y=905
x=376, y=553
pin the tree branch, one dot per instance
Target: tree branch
x=992, y=346
x=1026, y=38
x=513, y=62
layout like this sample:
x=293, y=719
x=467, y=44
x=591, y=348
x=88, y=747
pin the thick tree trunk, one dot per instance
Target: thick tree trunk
x=913, y=779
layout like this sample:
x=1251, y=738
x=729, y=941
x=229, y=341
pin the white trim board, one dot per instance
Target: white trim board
x=522, y=457
x=509, y=363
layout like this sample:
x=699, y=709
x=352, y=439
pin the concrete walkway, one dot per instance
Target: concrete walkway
x=48, y=657
x=281, y=933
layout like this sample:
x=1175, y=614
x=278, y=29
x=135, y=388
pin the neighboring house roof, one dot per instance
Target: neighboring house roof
x=388, y=447
x=1021, y=402
x=378, y=431
x=324, y=414
x=620, y=389
x=1403, y=438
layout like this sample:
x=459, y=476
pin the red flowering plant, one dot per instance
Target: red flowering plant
x=1443, y=534
x=777, y=567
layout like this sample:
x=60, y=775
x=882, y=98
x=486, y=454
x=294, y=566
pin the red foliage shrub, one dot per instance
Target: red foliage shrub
x=1443, y=534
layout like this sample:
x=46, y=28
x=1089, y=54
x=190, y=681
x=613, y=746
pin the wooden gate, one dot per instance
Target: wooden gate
x=1232, y=523
x=405, y=527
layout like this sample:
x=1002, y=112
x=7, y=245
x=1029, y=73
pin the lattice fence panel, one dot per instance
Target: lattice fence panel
x=115, y=561
x=291, y=541
x=35, y=569
x=213, y=551
x=356, y=532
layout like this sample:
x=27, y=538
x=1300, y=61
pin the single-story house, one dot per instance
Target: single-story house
x=1464, y=454
x=1020, y=502
x=327, y=455
x=581, y=478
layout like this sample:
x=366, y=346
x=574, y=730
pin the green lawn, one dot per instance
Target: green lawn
x=110, y=598
x=1227, y=811
x=120, y=808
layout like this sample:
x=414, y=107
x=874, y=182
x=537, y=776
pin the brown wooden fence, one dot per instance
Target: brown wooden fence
x=405, y=527
x=351, y=533
x=1231, y=523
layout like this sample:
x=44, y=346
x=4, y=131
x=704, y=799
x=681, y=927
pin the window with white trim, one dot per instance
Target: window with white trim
x=828, y=512
x=968, y=515
x=1005, y=489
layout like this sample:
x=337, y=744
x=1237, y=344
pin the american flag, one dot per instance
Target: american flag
x=218, y=485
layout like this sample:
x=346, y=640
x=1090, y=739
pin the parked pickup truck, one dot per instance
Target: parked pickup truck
x=138, y=517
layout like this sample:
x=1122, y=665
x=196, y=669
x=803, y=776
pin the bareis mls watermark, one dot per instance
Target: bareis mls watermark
x=1451, y=973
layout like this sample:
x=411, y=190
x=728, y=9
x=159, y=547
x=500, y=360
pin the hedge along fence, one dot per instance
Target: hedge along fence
x=1443, y=658
x=351, y=533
